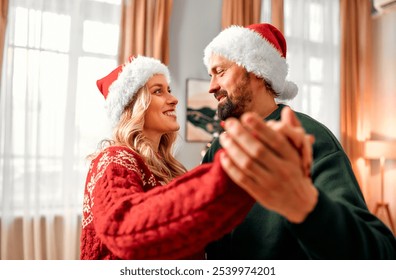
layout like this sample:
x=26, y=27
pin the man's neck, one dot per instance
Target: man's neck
x=265, y=112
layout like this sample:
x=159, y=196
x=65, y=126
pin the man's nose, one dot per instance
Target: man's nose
x=213, y=86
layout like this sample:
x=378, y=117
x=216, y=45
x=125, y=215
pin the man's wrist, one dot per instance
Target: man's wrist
x=307, y=205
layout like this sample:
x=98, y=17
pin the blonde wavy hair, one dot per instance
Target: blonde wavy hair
x=129, y=133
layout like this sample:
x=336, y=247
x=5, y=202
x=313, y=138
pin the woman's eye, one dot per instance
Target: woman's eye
x=157, y=91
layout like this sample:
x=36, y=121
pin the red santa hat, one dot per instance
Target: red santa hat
x=121, y=84
x=260, y=49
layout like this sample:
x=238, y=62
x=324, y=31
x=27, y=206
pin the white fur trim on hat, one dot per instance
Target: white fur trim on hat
x=133, y=76
x=250, y=50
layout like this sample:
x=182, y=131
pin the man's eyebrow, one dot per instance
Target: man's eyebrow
x=213, y=68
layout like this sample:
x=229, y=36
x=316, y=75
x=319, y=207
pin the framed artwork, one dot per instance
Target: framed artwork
x=202, y=123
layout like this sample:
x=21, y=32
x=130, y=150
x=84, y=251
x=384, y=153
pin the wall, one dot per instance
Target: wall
x=383, y=106
x=193, y=25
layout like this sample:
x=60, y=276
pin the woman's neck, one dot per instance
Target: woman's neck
x=154, y=140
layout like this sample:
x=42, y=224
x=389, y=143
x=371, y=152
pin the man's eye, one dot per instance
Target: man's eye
x=220, y=71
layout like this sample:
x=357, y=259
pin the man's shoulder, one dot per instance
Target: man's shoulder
x=314, y=126
x=325, y=140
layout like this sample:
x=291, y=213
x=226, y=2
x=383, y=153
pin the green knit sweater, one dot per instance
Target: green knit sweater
x=340, y=226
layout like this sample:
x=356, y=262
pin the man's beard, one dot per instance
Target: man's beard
x=227, y=109
x=235, y=108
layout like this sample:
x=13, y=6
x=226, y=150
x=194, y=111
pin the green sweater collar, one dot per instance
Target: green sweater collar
x=275, y=115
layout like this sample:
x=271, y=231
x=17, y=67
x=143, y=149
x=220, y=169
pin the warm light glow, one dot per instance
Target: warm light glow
x=378, y=149
x=381, y=150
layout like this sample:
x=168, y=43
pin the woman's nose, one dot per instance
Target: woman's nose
x=173, y=100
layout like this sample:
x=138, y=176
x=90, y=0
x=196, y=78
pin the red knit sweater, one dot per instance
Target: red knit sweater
x=128, y=214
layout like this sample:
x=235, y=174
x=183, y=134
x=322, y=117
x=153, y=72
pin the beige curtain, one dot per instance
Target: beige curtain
x=3, y=24
x=356, y=63
x=44, y=241
x=145, y=29
x=277, y=14
x=240, y=12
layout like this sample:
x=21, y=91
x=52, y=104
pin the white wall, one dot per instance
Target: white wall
x=384, y=76
x=383, y=104
x=193, y=25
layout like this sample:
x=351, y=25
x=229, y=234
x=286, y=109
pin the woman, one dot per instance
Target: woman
x=134, y=208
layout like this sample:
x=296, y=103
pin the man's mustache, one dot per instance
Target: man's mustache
x=220, y=93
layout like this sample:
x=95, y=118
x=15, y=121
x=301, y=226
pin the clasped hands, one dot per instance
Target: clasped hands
x=271, y=161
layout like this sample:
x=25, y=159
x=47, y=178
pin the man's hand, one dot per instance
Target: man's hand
x=271, y=161
x=291, y=127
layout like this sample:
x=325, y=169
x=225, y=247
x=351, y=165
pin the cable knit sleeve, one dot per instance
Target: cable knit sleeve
x=136, y=220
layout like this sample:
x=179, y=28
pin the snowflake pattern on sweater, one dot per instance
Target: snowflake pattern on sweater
x=123, y=158
x=129, y=214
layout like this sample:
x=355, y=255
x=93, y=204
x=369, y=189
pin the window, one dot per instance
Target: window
x=312, y=34
x=52, y=114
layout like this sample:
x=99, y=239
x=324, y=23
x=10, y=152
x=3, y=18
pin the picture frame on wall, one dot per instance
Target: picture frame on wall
x=202, y=123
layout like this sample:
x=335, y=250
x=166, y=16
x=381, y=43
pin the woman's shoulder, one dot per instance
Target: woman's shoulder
x=120, y=155
x=115, y=149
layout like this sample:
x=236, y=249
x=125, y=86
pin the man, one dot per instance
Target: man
x=321, y=216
